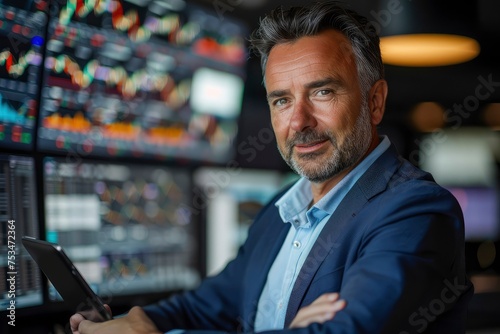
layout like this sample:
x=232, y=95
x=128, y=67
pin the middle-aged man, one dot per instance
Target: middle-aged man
x=362, y=223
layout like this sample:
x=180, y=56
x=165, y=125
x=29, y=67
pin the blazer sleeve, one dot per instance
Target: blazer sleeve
x=409, y=268
x=216, y=305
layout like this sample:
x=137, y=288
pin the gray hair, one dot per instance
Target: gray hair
x=287, y=25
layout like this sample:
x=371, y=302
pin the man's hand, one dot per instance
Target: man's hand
x=322, y=309
x=75, y=320
x=135, y=322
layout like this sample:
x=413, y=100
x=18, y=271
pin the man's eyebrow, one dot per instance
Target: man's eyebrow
x=277, y=93
x=323, y=82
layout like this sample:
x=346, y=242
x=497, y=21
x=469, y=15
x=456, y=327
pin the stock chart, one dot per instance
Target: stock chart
x=22, y=32
x=149, y=80
x=128, y=228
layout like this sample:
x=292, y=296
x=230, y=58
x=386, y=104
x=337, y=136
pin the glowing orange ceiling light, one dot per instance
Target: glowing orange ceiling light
x=426, y=32
x=420, y=50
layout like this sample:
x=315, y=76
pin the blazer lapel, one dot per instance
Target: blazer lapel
x=331, y=236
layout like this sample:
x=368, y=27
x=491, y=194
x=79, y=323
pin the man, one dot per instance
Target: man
x=361, y=223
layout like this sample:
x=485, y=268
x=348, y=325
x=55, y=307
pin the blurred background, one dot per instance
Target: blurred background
x=136, y=134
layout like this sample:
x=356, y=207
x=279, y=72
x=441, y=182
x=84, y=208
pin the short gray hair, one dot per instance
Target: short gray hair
x=287, y=25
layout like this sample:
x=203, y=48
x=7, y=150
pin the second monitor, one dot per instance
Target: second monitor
x=127, y=228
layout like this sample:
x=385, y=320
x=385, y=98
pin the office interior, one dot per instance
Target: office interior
x=136, y=135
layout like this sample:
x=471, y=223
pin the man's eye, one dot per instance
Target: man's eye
x=280, y=102
x=324, y=92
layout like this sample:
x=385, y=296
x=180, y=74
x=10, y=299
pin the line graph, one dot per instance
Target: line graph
x=16, y=112
x=170, y=27
x=124, y=21
x=17, y=68
x=127, y=84
x=82, y=8
x=16, y=120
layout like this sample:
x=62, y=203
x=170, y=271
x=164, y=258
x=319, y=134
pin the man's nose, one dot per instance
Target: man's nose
x=303, y=116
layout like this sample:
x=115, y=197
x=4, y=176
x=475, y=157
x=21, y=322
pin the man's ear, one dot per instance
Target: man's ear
x=376, y=100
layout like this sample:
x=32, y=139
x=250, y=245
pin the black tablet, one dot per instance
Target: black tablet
x=70, y=284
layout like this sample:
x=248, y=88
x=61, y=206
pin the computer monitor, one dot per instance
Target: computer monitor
x=465, y=161
x=20, y=279
x=230, y=200
x=127, y=227
x=156, y=80
x=22, y=40
x=480, y=206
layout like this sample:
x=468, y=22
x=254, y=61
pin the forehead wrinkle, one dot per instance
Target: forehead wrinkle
x=283, y=73
x=304, y=60
x=283, y=66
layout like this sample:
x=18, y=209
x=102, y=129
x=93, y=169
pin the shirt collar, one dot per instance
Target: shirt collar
x=293, y=205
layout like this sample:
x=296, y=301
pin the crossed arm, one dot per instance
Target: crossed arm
x=137, y=322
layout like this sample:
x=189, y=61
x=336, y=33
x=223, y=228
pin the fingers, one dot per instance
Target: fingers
x=106, y=306
x=322, y=309
x=74, y=322
x=327, y=297
x=87, y=326
x=108, y=309
x=77, y=318
x=135, y=322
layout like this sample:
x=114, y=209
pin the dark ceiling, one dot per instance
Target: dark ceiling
x=447, y=85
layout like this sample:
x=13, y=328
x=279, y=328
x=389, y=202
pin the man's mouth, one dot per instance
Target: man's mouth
x=310, y=146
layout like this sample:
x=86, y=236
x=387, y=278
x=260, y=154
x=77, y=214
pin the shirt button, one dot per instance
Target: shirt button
x=296, y=244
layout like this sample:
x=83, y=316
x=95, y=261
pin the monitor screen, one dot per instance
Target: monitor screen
x=480, y=206
x=466, y=156
x=154, y=80
x=465, y=161
x=232, y=199
x=22, y=39
x=20, y=279
x=127, y=227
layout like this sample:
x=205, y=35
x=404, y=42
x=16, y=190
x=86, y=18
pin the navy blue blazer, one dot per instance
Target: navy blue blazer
x=393, y=249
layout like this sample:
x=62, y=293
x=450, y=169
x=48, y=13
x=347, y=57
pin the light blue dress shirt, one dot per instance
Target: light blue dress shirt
x=306, y=227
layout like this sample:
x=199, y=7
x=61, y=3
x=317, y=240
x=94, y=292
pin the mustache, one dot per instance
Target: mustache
x=310, y=136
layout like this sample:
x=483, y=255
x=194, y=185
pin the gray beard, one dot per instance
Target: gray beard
x=318, y=170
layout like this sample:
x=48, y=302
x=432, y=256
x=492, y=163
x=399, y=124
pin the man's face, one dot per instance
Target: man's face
x=322, y=126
